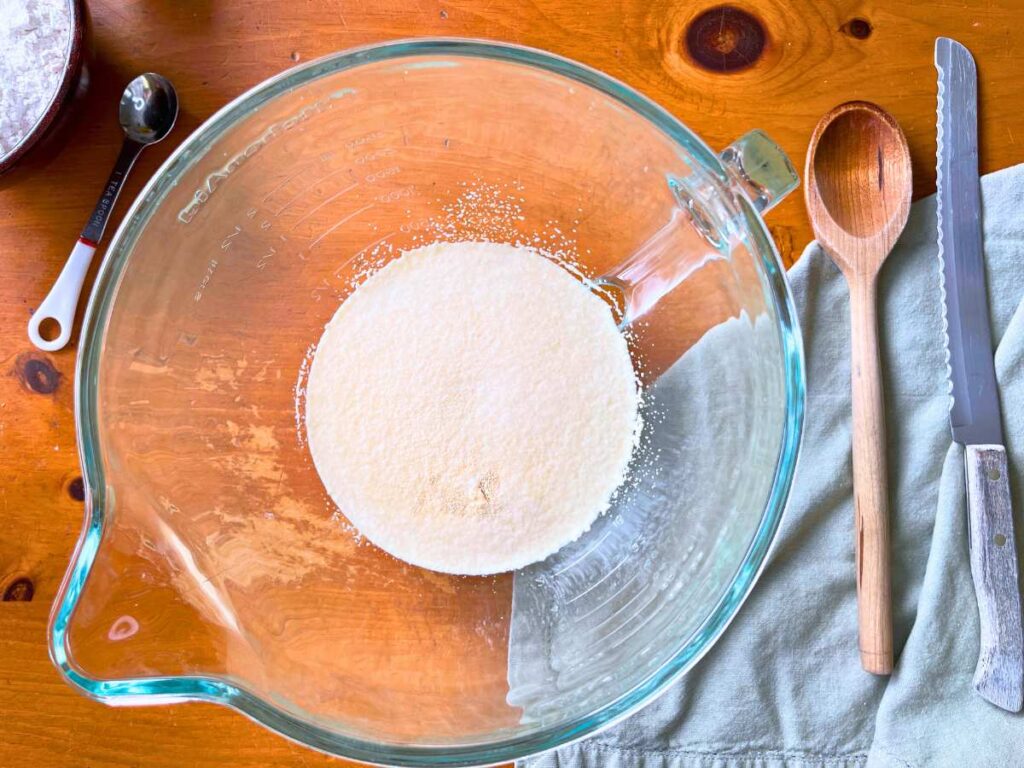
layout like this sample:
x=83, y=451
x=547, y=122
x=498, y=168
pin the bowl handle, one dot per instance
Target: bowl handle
x=691, y=238
x=760, y=169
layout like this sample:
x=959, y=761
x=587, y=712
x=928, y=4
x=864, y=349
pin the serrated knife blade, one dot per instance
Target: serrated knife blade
x=974, y=413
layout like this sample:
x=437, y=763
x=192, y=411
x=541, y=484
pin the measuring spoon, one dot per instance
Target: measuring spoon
x=149, y=107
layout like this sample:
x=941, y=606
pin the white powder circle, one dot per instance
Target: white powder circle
x=472, y=407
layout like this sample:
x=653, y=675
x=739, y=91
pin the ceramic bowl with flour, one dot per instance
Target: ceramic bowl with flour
x=438, y=402
x=40, y=58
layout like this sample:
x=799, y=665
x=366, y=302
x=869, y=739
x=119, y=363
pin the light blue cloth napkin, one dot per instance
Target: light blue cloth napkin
x=783, y=686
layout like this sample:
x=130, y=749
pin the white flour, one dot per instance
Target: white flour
x=34, y=40
x=472, y=407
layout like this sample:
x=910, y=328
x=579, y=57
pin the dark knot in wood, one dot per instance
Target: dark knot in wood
x=76, y=489
x=725, y=39
x=19, y=591
x=38, y=374
x=857, y=28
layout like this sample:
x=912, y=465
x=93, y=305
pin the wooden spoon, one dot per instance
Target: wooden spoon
x=858, y=185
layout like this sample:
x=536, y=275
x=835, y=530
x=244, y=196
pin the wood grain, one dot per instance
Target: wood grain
x=857, y=183
x=1000, y=673
x=870, y=485
x=813, y=55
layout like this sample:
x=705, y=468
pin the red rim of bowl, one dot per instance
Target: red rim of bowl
x=73, y=65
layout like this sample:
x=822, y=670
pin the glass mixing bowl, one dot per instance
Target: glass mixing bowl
x=214, y=567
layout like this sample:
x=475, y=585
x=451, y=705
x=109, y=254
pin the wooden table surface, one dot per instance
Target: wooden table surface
x=777, y=65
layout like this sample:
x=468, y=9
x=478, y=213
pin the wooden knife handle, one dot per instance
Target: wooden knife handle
x=870, y=484
x=999, y=677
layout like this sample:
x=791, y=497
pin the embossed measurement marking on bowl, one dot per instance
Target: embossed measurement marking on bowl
x=472, y=407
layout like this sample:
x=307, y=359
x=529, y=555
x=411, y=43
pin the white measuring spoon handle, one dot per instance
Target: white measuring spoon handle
x=62, y=301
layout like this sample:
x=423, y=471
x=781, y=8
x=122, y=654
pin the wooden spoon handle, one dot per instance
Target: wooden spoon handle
x=870, y=482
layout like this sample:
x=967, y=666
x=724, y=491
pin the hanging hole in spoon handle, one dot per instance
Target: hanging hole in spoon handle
x=61, y=302
x=693, y=235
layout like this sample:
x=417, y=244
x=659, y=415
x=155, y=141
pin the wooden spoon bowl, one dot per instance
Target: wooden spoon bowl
x=858, y=184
